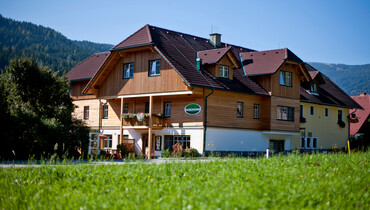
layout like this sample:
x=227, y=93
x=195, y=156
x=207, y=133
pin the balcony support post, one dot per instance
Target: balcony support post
x=120, y=127
x=150, y=139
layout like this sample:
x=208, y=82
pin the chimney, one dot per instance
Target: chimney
x=216, y=39
x=363, y=94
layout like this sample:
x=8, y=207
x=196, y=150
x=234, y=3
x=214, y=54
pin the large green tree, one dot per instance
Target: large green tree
x=37, y=110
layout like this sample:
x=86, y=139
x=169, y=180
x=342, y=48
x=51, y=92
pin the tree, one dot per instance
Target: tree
x=39, y=110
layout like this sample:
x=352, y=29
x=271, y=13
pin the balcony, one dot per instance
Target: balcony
x=141, y=120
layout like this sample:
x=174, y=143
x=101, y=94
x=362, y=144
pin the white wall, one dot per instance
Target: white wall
x=235, y=140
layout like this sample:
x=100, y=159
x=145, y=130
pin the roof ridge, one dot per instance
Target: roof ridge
x=228, y=48
x=133, y=35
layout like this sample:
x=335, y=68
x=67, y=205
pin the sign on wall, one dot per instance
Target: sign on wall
x=192, y=109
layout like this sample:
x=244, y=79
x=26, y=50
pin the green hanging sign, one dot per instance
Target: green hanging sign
x=192, y=109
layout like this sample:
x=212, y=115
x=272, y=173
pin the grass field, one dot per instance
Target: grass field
x=319, y=181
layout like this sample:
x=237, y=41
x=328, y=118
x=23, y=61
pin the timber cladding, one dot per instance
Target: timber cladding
x=271, y=83
x=178, y=103
x=214, y=69
x=76, y=90
x=222, y=110
x=141, y=82
x=282, y=124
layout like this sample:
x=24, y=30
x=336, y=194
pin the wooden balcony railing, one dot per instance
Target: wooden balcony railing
x=134, y=122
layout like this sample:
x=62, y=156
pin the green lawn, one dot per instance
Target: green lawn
x=319, y=181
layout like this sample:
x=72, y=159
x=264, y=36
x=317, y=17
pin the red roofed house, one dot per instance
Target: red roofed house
x=361, y=129
x=159, y=87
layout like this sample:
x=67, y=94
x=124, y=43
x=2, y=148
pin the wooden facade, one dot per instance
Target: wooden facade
x=115, y=85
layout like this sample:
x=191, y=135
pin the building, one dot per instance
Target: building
x=159, y=87
x=361, y=129
x=324, y=112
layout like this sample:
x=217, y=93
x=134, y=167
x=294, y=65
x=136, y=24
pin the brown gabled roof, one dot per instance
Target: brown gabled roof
x=213, y=56
x=327, y=92
x=180, y=51
x=140, y=37
x=266, y=62
x=361, y=114
x=88, y=67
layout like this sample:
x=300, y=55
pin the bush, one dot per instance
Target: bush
x=177, y=150
x=191, y=152
x=166, y=153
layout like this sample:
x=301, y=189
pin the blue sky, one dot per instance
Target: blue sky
x=330, y=31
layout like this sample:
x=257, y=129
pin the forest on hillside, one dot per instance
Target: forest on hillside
x=353, y=79
x=51, y=48
x=45, y=45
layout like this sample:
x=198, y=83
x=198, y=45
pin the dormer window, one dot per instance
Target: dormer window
x=313, y=88
x=224, y=71
x=286, y=78
x=155, y=68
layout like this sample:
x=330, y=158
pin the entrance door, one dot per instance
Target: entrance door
x=145, y=145
x=93, y=143
x=277, y=146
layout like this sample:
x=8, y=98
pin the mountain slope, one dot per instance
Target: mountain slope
x=353, y=79
x=47, y=46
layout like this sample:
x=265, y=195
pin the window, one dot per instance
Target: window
x=303, y=142
x=313, y=88
x=314, y=143
x=224, y=71
x=301, y=111
x=155, y=68
x=256, y=111
x=239, y=111
x=340, y=115
x=107, y=142
x=326, y=112
x=312, y=110
x=86, y=112
x=308, y=142
x=125, y=108
x=285, y=113
x=105, y=111
x=128, y=70
x=170, y=140
x=286, y=78
x=167, y=109
x=146, y=107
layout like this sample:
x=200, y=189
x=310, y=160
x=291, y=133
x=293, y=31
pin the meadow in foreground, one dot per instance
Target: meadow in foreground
x=318, y=181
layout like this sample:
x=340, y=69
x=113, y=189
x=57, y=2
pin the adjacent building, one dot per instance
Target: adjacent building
x=159, y=87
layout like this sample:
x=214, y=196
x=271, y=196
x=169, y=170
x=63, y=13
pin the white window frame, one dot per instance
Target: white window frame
x=128, y=70
x=303, y=141
x=224, y=71
x=125, y=108
x=108, y=141
x=283, y=113
x=313, y=140
x=155, y=68
x=167, y=109
x=326, y=114
x=86, y=112
x=341, y=120
x=313, y=108
x=308, y=142
x=256, y=111
x=239, y=110
x=105, y=111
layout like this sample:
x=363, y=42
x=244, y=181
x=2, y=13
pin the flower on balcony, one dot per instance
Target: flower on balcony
x=159, y=115
x=141, y=116
x=128, y=115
